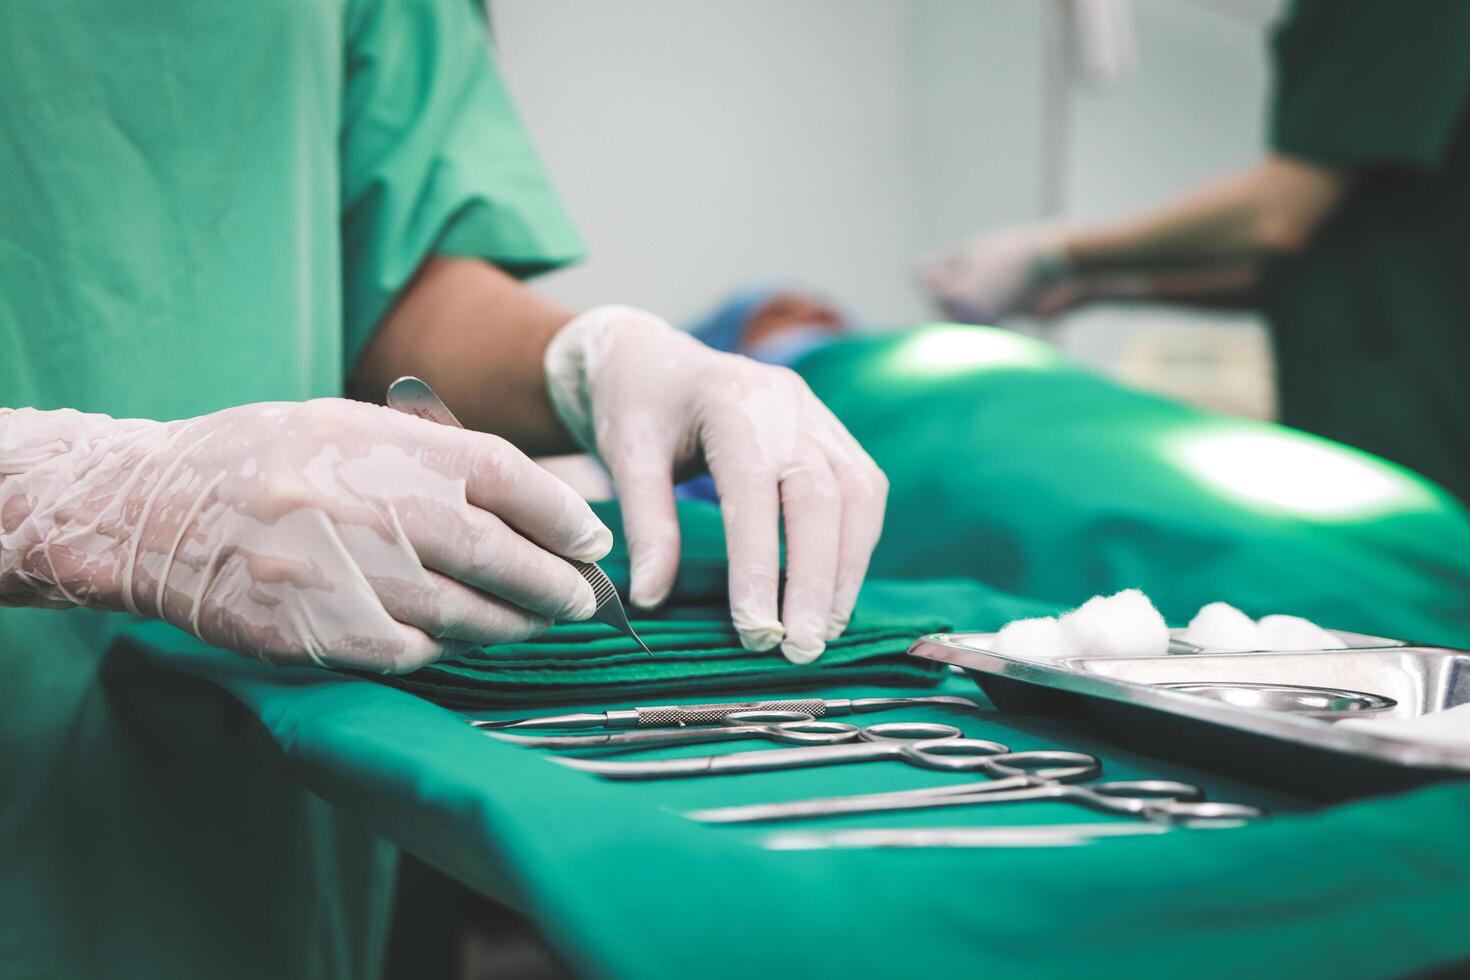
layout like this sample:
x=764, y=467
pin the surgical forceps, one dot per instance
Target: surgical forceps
x=709, y=714
x=928, y=746
x=1025, y=835
x=789, y=727
x=1162, y=800
x=412, y=396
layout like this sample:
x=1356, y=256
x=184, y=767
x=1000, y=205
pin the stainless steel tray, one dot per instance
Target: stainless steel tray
x=1248, y=693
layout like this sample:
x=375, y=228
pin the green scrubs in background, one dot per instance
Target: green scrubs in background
x=205, y=204
x=1372, y=321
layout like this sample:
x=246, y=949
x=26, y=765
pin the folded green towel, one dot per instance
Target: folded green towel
x=695, y=648
x=590, y=661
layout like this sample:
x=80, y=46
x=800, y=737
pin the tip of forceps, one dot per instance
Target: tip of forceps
x=610, y=609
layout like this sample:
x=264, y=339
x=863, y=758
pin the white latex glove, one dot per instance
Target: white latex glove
x=653, y=402
x=995, y=274
x=328, y=532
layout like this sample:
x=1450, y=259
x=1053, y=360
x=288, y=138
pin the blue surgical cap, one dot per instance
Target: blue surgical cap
x=723, y=327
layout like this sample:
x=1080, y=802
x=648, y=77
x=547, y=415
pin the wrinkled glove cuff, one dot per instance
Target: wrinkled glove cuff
x=574, y=356
x=41, y=457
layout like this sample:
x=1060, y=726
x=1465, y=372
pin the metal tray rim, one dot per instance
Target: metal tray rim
x=1060, y=675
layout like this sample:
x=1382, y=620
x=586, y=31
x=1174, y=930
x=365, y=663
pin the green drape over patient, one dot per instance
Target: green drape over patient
x=1013, y=466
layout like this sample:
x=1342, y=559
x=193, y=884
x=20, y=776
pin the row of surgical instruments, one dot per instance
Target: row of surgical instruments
x=1008, y=777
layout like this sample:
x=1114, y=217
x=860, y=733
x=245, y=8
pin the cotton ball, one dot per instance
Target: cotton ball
x=1295, y=633
x=1219, y=626
x=1034, y=638
x=1122, y=625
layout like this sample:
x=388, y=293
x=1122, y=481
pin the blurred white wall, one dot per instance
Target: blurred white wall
x=702, y=144
x=978, y=116
x=1193, y=107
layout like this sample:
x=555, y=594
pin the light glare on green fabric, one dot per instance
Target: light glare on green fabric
x=1297, y=474
x=951, y=348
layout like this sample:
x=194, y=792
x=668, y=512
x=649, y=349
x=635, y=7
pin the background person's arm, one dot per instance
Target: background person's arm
x=1229, y=284
x=1198, y=247
x=1274, y=207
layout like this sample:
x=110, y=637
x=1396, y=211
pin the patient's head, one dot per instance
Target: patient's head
x=771, y=321
x=787, y=311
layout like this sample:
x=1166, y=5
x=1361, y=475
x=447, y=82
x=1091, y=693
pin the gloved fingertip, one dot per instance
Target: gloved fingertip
x=800, y=653
x=582, y=606
x=595, y=543
x=759, y=639
x=646, y=596
x=835, y=629
x=652, y=582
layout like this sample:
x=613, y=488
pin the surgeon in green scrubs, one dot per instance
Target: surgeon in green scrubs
x=1352, y=235
x=209, y=213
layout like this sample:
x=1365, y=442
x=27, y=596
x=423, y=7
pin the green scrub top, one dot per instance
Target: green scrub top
x=1372, y=320
x=207, y=204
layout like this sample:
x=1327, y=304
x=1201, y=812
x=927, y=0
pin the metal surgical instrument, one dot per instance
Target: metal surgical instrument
x=1159, y=800
x=414, y=397
x=710, y=714
x=1012, y=771
x=790, y=727
x=920, y=744
x=1042, y=835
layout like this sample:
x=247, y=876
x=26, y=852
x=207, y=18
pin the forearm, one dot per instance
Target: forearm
x=1275, y=206
x=478, y=336
x=1226, y=285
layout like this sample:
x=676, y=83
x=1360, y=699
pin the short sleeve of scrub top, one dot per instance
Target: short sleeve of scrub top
x=1364, y=83
x=434, y=158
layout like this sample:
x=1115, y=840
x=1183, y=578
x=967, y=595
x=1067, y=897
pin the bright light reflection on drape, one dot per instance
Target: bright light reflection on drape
x=950, y=348
x=1292, y=473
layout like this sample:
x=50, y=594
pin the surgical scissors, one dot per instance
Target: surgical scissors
x=922, y=744
x=789, y=727
x=1156, y=799
x=707, y=714
x=1043, y=835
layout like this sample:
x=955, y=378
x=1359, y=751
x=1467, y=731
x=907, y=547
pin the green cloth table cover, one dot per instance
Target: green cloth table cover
x=695, y=647
x=625, y=888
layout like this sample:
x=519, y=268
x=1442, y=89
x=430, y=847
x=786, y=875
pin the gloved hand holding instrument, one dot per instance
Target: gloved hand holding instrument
x=328, y=532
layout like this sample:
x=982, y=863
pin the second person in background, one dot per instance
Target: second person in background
x=1352, y=235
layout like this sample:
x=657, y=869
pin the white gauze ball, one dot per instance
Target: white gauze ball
x=1034, y=638
x=1295, y=633
x=1219, y=626
x=1122, y=625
